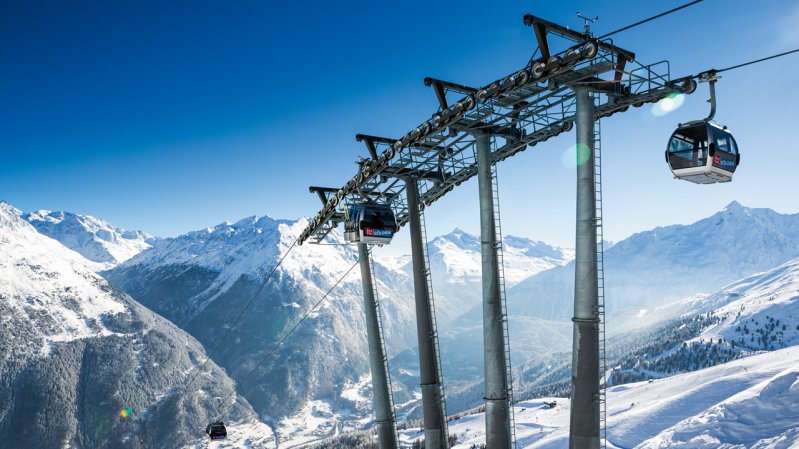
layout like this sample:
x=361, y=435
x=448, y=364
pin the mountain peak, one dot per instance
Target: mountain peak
x=460, y=239
x=9, y=215
x=736, y=207
x=253, y=221
x=94, y=238
x=8, y=208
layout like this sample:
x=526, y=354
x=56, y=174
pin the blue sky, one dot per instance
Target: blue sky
x=173, y=116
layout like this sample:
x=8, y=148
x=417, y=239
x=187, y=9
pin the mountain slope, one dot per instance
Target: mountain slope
x=74, y=352
x=760, y=312
x=203, y=280
x=747, y=403
x=656, y=267
x=456, y=264
x=94, y=239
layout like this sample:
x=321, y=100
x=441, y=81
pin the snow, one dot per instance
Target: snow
x=251, y=247
x=314, y=422
x=95, y=239
x=459, y=254
x=393, y=263
x=747, y=403
x=42, y=281
x=767, y=301
x=241, y=435
x=359, y=392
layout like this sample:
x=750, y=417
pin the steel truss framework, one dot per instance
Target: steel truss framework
x=522, y=109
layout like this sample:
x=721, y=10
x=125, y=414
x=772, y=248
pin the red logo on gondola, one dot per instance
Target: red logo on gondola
x=370, y=232
x=717, y=160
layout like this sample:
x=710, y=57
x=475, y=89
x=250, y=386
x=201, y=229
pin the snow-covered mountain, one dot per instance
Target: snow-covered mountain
x=455, y=259
x=656, y=267
x=95, y=239
x=82, y=365
x=455, y=264
x=759, y=313
x=744, y=404
x=203, y=280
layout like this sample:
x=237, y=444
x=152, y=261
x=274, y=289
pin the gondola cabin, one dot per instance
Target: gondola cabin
x=369, y=223
x=702, y=152
x=216, y=430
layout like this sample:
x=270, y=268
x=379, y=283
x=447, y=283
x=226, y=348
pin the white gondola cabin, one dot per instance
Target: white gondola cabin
x=369, y=223
x=702, y=152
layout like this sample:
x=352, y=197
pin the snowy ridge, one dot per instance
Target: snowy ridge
x=251, y=247
x=657, y=267
x=39, y=276
x=456, y=257
x=95, y=239
x=758, y=313
x=747, y=403
x=753, y=310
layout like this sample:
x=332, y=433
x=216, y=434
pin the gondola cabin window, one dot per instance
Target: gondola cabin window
x=688, y=148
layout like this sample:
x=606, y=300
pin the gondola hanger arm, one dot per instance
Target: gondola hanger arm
x=710, y=77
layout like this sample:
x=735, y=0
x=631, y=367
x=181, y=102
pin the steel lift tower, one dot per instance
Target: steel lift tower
x=572, y=78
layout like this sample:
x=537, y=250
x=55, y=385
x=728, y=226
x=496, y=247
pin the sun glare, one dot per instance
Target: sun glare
x=669, y=104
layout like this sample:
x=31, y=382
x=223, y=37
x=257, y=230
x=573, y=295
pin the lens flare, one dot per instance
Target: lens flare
x=569, y=157
x=671, y=103
x=126, y=413
x=583, y=154
x=575, y=155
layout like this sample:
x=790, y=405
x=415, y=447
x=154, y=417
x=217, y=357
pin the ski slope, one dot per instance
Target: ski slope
x=748, y=403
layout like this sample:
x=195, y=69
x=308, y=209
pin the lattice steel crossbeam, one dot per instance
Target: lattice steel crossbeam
x=522, y=109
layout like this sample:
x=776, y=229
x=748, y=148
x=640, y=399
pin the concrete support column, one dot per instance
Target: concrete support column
x=385, y=421
x=497, y=399
x=584, y=422
x=432, y=403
